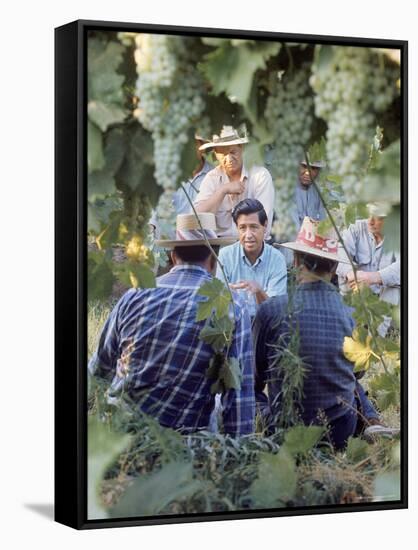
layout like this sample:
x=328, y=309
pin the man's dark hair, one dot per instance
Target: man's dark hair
x=315, y=264
x=250, y=206
x=194, y=254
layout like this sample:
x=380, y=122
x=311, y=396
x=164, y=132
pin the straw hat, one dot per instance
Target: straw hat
x=189, y=233
x=310, y=242
x=378, y=209
x=228, y=136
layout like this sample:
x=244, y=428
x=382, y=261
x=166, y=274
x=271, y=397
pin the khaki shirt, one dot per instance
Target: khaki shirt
x=258, y=185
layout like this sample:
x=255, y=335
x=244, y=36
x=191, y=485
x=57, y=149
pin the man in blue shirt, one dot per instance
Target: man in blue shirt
x=252, y=266
x=321, y=320
x=307, y=200
x=150, y=348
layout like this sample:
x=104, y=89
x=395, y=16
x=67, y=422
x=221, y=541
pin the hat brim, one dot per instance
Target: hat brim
x=221, y=241
x=212, y=145
x=299, y=247
x=313, y=164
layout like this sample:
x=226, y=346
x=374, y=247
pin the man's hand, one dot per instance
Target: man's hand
x=235, y=187
x=253, y=288
x=364, y=277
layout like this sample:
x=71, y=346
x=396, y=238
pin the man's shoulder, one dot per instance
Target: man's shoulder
x=258, y=171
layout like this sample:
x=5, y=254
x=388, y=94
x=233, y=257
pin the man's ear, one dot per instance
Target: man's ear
x=173, y=257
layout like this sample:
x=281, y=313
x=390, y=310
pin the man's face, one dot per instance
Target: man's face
x=304, y=177
x=251, y=233
x=375, y=225
x=230, y=158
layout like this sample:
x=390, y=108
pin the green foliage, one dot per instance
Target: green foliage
x=101, y=278
x=104, y=445
x=276, y=480
x=217, y=332
x=226, y=371
x=299, y=440
x=357, y=450
x=218, y=300
x=134, y=274
x=386, y=388
x=150, y=495
x=232, y=66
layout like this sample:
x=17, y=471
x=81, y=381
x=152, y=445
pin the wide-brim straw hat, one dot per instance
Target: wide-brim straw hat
x=228, y=136
x=378, y=209
x=189, y=232
x=310, y=242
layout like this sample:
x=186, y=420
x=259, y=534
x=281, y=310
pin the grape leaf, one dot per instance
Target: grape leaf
x=358, y=353
x=301, y=439
x=103, y=115
x=230, y=373
x=135, y=275
x=95, y=157
x=217, y=332
x=357, y=449
x=218, y=300
x=276, y=480
x=100, y=276
x=231, y=68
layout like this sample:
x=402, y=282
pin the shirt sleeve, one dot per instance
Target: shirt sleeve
x=223, y=258
x=239, y=405
x=103, y=362
x=264, y=192
x=277, y=282
x=350, y=238
x=391, y=275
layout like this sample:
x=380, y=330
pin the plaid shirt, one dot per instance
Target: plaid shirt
x=150, y=350
x=323, y=322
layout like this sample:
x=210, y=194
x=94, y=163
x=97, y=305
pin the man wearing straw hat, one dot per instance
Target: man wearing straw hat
x=230, y=182
x=307, y=200
x=321, y=320
x=150, y=350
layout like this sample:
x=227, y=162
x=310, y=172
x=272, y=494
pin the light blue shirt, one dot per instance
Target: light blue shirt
x=192, y=187
x=269, y=271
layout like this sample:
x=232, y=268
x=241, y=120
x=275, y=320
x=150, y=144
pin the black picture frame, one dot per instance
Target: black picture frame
x=71, y=273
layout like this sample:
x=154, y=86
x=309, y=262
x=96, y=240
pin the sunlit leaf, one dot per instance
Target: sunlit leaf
x=95, y=158
x=103, y=115
x=358, y=353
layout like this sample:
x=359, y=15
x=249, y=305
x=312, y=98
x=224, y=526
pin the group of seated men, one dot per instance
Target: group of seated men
x=150, y=348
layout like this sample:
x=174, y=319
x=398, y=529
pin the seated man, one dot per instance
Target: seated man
x=321, y=320
x=230, y=182
x=150, y=350
x=307, y=200
x=251, y=264
x=377, y=268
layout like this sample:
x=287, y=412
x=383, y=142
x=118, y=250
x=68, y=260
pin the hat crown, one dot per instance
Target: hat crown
x=309, y=236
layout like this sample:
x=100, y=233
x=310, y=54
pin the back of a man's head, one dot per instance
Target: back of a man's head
x=198, y=255
x=315, y=264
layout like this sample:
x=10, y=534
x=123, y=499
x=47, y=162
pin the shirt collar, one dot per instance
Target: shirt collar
x=258, y=260
x=189, y=267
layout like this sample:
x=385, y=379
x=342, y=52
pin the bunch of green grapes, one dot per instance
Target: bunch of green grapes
x=351, y=90
x=289, y=116
x=170, y=92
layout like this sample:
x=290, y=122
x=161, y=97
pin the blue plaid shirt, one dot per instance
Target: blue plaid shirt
x=323, y=322
x=150, y=350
